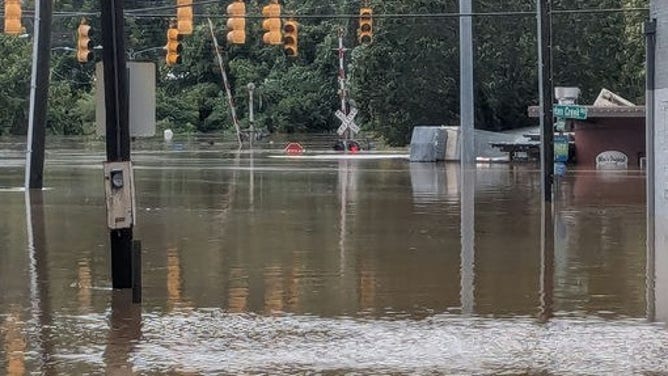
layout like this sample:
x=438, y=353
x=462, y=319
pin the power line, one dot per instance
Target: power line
x=138, y=13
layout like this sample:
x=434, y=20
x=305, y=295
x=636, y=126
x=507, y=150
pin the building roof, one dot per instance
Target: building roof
x=604, y=111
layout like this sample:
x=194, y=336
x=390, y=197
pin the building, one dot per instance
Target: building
x=612, y=135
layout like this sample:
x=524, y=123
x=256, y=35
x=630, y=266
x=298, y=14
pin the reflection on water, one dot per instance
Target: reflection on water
x=255, y=264
x=13, y=331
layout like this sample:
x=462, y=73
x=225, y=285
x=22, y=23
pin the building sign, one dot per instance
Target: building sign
x=612, y=159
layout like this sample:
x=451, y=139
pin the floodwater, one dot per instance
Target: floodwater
x=258, y=264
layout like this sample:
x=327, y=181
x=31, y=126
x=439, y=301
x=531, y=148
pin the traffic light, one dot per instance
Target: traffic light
x=236, y=23
x=365, y=31
x=272, y=23
x=84, y=43
x=184, y=16
x=13, y=17
x=290, y=41
x=174, y=47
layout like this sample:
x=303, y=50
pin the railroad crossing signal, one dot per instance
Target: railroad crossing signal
x=347, y=121
x=290, y=40
x=84, y=43
x=173, y=47
x=184, y=16
x=13, y=17
x=272, y=23
x=365, y=31
x=236, y=23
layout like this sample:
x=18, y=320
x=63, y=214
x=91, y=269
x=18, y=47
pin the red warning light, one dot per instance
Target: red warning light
x=294, y=148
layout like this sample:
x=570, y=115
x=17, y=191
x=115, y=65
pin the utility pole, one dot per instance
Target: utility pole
x=546, y=93
x=39, y=93
x=466, y=110
x=118, y=128
x=657, y=152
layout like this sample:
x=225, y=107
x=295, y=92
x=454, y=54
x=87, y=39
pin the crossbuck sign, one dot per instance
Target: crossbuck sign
x=347, y=121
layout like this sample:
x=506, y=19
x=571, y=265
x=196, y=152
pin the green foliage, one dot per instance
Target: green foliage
x=408, y=75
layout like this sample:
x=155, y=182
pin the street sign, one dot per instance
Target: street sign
x=347, y=121
x=560, y=125
x=570, y=111
x=561, y=145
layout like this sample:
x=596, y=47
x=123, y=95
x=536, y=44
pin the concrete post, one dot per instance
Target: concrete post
x=466, y=110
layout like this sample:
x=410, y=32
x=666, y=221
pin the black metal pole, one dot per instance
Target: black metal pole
x=547, y=146
x=117, y=124
x=36, y=179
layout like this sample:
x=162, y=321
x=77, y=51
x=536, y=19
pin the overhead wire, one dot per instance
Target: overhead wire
x=139, y=13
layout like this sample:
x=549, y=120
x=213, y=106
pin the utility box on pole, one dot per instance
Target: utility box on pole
x=119, y=191
x=141, y=83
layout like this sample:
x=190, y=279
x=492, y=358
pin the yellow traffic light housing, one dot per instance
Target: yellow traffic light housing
x=173, y=47
x=365, y=31
x=184, y=16
x=13, y=17
x=272, y=23
x=84, y=43
x=236, y=23
x=290, y=39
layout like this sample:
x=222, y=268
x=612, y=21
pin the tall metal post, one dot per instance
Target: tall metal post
x=117, y=122
x=546, y=94
x=342, y=80
x=39, y=92
x=658, y=153
x=466, y=116
x=650, y=36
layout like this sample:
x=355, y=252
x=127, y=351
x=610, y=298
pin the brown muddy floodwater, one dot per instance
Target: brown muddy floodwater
x=255, y=264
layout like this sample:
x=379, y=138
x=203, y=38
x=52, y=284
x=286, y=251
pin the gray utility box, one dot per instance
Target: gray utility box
x=119, y=189
x=428, y=144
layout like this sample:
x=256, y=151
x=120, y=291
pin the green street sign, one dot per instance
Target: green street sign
x=570, y=111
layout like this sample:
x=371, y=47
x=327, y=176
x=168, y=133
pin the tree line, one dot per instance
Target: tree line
x=408, y=75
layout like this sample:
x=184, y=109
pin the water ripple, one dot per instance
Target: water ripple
x=213, y=342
